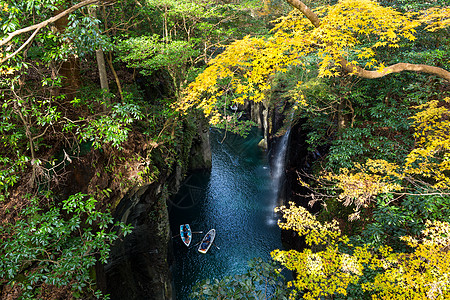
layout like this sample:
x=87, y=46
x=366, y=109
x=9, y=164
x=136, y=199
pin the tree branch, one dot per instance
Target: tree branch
x=361, y=72
x=397, y=68
x=21, y=47
x=306, y=11
x=46, y=22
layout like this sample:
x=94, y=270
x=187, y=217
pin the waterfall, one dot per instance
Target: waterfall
x=278, y=172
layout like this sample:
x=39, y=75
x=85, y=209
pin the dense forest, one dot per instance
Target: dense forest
x=113, y=89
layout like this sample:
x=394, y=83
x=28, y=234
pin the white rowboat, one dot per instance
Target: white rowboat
x=186, y=234
x=207, y=241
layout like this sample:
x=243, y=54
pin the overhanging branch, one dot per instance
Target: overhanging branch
x=397, y=68
x=361, y=72
x=46, y=22
x=305, y=11
x=21, y=47
x=39, y=26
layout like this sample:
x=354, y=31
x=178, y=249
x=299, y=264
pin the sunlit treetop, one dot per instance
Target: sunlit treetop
x=345, y=31
x=344, y=36
x=299, y=219
x=436, y=18
x=431, y=156
x=241, y=72
x=338, y=268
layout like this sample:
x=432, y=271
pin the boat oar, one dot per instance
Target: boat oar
x=192, y=232
x=195, y=245
x=216, y=246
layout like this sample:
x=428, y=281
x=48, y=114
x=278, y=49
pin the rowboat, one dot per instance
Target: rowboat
x=186, y=234
x=207, y=241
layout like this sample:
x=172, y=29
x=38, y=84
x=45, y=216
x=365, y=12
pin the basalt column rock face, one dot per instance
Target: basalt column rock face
x=296, y=162
x=200, y=154
x=262, y=114
x=299, y=163
x=138, y=266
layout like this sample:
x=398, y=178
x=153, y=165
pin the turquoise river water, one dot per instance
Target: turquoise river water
x=236, y=198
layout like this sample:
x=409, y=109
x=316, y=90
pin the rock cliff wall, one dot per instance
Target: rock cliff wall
x=139, y=263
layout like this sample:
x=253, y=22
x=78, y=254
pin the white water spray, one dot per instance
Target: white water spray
x=278, y=173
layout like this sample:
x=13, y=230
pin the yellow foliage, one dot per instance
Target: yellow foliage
x=422, y=274
x=245, y=67
x=431, y=156
x=326, y=272
x=352, y=29
x=300, y=220
x=436, y=18
x=360, y=187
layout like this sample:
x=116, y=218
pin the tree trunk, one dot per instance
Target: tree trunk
x=116, y=78
x=70, y=69
x=103, y=77
x=101, y=68
x=341, y=115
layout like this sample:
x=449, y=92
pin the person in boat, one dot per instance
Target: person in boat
x=185, y=232
x=204, y=245
x=206, y=241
